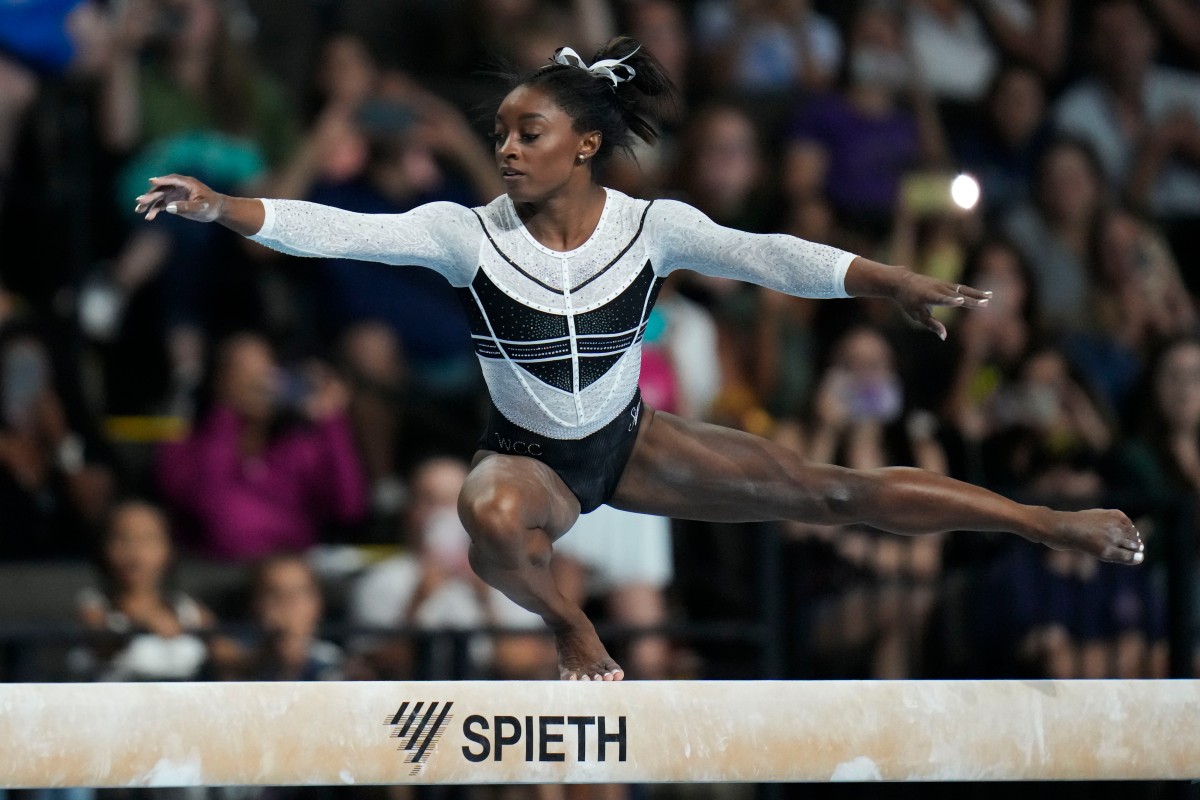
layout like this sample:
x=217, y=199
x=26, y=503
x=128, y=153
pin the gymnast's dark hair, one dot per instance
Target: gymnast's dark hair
x=621, y=113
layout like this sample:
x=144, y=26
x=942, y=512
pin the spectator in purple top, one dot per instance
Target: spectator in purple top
x=271, y=463
x=855, y=145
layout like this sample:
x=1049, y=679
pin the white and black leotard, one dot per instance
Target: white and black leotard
x=558, y=334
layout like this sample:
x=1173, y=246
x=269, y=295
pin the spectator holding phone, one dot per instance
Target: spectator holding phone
x=271, y=463
x=1050, y=434
x=859, y=400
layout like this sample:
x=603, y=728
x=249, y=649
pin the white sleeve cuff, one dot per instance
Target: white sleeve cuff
x=268, y=226
x=840, y=270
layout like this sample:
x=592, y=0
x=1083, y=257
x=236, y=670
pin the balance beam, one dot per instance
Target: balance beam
x=212, y=734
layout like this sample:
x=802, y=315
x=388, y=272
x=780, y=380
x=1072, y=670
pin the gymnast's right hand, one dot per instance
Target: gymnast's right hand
x=183, y=196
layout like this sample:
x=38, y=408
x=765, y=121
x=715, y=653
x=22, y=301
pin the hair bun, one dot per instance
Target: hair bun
x=648, y=76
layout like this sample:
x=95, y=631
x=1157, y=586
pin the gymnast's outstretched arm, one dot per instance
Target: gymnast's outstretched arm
x=441, y=236
x=682, y=237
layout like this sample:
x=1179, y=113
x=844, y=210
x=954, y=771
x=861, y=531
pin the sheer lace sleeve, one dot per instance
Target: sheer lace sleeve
x=441, y=236
x=681, y=237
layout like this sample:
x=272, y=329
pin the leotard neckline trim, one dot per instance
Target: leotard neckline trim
x=600, y=225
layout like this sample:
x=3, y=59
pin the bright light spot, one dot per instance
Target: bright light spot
x=964, y=191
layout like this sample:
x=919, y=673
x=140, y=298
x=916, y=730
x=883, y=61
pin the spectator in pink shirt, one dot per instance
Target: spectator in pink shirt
x=271, y=463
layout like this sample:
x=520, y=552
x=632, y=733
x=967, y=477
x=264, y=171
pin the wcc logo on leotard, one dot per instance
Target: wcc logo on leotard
x=506, y=445
x=419, y=727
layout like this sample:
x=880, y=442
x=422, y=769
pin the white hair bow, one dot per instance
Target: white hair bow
x=612, y=69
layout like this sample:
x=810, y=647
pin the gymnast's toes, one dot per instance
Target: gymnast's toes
x=1105, y=534
x=581, y=656
x=1126, y=546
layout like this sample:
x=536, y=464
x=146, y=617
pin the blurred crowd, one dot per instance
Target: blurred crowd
x=172, y=393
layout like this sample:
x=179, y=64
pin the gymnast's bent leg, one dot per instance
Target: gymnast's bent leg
x=695, y=470
x=514, y=508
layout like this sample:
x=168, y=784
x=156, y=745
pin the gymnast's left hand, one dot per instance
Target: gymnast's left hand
x=182, y=196
x=917, y=295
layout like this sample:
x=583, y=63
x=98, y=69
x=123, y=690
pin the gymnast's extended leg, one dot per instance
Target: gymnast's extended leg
x=694, y=470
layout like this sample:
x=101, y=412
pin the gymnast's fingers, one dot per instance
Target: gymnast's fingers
x=973, y=294
x=946, y=294
x=163, y=191
x=174, y=181
x=146, y=201
x=924, y=316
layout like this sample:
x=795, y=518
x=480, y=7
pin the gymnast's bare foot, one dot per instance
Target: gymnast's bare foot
x=581, y=656
x=1107, y=535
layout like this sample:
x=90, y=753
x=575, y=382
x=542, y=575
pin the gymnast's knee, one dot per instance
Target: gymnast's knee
x=494, y=520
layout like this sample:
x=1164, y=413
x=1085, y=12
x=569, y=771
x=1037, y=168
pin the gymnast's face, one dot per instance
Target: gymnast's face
x=537, y=147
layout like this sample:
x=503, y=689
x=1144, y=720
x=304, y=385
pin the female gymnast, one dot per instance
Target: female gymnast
x=557, y=277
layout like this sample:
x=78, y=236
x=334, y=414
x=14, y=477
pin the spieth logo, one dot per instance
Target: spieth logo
x=546, y=738
x=543, y=738
x=419, y=727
